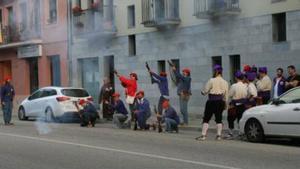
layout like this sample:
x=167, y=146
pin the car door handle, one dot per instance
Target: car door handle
x=296, y=109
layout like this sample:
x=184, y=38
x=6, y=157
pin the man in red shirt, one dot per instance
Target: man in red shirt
x=130, y=85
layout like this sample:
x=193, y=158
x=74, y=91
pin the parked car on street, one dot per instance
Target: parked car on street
x=280, y=118
x=52, y=103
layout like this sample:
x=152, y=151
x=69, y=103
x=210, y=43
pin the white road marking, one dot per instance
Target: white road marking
x=120, y=151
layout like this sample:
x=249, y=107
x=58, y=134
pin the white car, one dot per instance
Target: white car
x=52, y=103
x=280, y=118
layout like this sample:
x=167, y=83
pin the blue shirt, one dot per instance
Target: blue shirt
x=143, y=107
x=184, y=83
x=171, y=114
x=90, y=109
x=7, y=93
x=280, y=87
x=162, y=83
x=120, y=108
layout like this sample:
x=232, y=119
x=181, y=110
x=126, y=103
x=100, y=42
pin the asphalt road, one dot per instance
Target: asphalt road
x=66, y=146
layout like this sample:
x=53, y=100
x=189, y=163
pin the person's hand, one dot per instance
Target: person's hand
x=174, y=68
x=3, y=104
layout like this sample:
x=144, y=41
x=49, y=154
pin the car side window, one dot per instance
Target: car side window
x=291, y=97
x=49, y=92
x=36, y=95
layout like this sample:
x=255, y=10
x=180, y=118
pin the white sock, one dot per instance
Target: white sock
x=219, y=129
x=204, y=129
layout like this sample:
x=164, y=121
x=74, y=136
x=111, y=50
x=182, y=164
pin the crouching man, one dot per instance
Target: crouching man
x=88, y=114
x=120, y=112
x=142, y=111
x=170, y=117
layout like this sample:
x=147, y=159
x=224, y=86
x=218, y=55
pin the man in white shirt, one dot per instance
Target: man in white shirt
x=238, y=95
x=264, y=85
x=217, y=90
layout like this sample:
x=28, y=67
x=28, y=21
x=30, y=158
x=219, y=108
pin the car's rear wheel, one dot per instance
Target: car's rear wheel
x=49, y=116
x=22, y=114
x=254, y=131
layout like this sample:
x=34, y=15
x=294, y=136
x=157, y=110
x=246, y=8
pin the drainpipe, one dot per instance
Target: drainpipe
x=69, y=41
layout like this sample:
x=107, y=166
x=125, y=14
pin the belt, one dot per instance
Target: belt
x=215, y=97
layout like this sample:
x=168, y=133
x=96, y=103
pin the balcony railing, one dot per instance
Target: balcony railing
x=93, y=21
x=18, y=32
x=157, y=13
x=214, y=8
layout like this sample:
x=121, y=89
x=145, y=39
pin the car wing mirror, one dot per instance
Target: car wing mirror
x=277, y=102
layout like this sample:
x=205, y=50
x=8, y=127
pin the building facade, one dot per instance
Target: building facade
x=33, y=44
x=192, y=33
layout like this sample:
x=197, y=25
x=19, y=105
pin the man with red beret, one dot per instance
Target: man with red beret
x=142, y=111
x=88, y=113
x=130, y=85
x=120, y=112
x=7, y=97
x=162, y=81
x=184, y=91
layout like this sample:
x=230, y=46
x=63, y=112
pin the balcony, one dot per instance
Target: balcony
x=94, y=21
x=18, y=33
x=160, y=13
x=205, y=9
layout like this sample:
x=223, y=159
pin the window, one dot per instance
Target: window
x=23, y=10
x=10, y=16
x=291, y=97
x=52, y=11
x=176, y=63
x=216, y=60
x=131, y=16
x=49, y=92
x=279, y=27
x=0, y=18
x=161, y=66
x=132, y=45
x=55, y=70
x=235, y=65
x=36, y=95
x=75, y=93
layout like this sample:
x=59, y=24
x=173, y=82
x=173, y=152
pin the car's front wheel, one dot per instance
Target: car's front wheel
x=22, y=114
x=254, y=131
x=49, y=116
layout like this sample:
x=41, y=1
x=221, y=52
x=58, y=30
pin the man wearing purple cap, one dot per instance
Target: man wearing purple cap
x=264, y=85
x=238, y=95
x=252, y=90
x=217, y=90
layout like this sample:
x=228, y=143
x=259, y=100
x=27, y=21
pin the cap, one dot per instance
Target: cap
x=166, y=104
x=186, y=70
x=82, y=101
x=116, y=94
x=7, y=78
x=238, y=74
x=251, y=76
x=164, y=74
x=140, y=92
x=218, y=68
x=247, y=68
x=262, y=70
x=134, y=75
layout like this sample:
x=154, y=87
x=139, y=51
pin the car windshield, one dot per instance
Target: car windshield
x=292, y=96
x=75, y=92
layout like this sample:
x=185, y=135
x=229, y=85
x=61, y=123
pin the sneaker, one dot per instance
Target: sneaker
x=218, y=138
x=201, y=138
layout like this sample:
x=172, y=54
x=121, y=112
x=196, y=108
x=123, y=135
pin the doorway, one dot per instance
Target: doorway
x=109, y=67
x=235, y=65
x=5, y=69
x=33, y=74
x=55, y=70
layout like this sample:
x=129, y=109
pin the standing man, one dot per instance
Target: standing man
x=252, y=90
x=217, y=90
x=170, y=117
x=7, y=97
x=264, y=85
x=294, y=79
x=105, y=98
x=142, y=111
x=162, y=82
x=120, y=112
x=238, y=94
x=130, y=85
x=278, y=84
x=184, y=91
